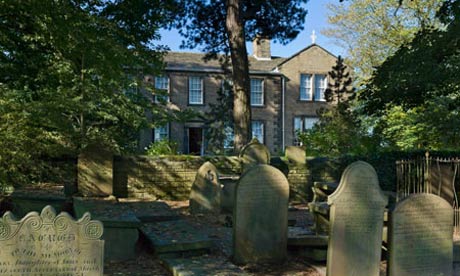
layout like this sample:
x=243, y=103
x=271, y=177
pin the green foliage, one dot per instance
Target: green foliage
x=371, y=30
x=338, y=130
x=162, y=147
x=219, y=121
x=414, y=96
x=66, y=75
x=203, y=24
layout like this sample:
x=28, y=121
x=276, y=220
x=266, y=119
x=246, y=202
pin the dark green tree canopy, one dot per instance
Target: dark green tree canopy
x=419, y=71
x=204, y=23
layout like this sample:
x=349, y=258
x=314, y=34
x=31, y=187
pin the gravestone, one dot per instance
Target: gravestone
x=206, y=190
x=421, y=241
x=95, y=172
x=254, y=153
x=356, y=223
x=260, y=216
x=50, y=244
x=296, y=155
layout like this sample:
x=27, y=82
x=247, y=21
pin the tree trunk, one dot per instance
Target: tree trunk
x=240, y=75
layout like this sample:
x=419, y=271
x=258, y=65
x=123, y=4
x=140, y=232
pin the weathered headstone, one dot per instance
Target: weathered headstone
x=260, y=216
x=421, y=241
x=356, y=223
x=50, y=244
x=205, y=194
x=254, y=153
x=296, y=155
x=95, y=172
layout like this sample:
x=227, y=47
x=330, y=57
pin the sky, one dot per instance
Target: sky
x=316, y=20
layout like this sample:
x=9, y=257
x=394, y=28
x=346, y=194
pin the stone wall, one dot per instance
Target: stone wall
x=156, y=178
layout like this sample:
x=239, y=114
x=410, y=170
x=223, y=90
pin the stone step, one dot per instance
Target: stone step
x=150, y=211
x=219, y=266
x=176, y=237
x=303, y=237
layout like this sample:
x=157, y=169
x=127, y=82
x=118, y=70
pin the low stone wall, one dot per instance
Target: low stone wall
x=168, y=178
x=171, y=177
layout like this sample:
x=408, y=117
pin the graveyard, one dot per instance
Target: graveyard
x=244, y=221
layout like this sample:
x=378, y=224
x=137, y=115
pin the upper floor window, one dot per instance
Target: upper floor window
x=312, y=87
x=195, y=90
x=320, y=87
x=305, y=87
x=161, y=133
x=257, y=92
x=161, y=89
x=258, y=130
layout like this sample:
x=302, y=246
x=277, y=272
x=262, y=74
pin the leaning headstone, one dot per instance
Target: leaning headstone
x=260, y=216
x=95, y=172
x=356, y=223
x=421, y=241
x=205, y=194
x=296, y=155
x=50, y=244
x=254, y=153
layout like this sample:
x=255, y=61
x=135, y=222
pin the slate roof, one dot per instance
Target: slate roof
x=185, y=61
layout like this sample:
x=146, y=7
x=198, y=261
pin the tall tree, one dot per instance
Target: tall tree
x=223, y=26
x=338, y=130
x=371, y=31
x=414, y=95
x=71, y=73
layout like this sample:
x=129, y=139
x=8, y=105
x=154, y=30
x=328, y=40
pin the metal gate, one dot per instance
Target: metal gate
x=435, y=175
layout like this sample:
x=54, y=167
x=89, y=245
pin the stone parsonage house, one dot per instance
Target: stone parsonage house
x=285, y=94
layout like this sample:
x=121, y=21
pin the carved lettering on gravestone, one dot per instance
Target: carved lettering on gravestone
x=421, y=241
x=205, y=194
x=50, y=244
x=260, y=216
x=356, y=223
x=254, y=153
x=95, y=172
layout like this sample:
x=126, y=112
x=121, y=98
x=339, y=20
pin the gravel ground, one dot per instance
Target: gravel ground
x=148, y=264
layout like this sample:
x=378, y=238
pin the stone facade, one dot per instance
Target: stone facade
x=281, y=86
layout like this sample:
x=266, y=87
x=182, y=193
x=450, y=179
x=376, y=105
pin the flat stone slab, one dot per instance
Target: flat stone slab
x=150, y=211
x=111, y=213
x=300, y=236
x=201, y=266
x=176, y=236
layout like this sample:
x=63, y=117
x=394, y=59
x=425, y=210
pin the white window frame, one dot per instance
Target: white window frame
x=161, y=133
x=306, y=91
x=191, y=90
x=261, y=93
x=261, y=135
x=320, y=87
x=227, y=86
x=160, y=80
x=229, y=137
x=300, y=125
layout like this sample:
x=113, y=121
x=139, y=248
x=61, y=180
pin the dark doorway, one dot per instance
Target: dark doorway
x=195, y=140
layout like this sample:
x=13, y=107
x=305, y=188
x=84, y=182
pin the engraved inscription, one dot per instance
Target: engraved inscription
x=421, y=237
x=47, y=244
x=356, y=218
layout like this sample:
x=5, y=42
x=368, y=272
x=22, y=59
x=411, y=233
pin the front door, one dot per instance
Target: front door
x=195, y=140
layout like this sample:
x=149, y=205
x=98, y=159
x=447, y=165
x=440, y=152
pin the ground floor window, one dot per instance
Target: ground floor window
x=258, y=130
x=161, y=133
x=301, y=124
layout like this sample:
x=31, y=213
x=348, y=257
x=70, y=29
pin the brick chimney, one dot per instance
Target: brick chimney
x=261, y=48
